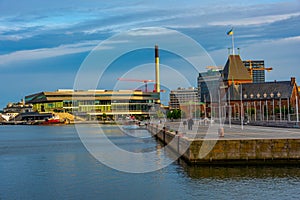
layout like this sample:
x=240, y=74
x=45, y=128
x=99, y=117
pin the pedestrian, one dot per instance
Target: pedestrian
x=184, y=124
x=190, y=124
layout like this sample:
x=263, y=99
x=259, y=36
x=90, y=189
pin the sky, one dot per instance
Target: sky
x=43, y=44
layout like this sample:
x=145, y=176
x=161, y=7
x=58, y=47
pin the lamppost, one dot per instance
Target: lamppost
x=234, y=112
x=255, y=110
x=242, y=117
x=251, y=96
x=283, y=112
x=279, y=96
x=272, y=96
x=258, y=96
x=205, y=108
x=229, y=116
x=265, y=96
x=288, y=105
x=245, y=97
x=297, y=116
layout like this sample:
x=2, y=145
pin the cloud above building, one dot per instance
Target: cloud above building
x=54, y=31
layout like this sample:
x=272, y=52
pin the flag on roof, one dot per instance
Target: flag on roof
x=230, y=32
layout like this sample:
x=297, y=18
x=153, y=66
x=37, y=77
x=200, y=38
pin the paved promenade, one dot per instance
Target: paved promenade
x=234, y=132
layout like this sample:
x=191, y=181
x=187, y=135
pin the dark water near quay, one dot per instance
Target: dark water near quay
x=50, y=162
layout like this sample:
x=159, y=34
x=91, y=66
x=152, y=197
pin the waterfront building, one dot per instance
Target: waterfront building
x=207, y=83
x=19, y=107
x=235, y=71
x=265, y=101
x=13, y=109
x=240, y=97
x=94, y=103
x=256, y=69
x=187, y=100
x=181, y=96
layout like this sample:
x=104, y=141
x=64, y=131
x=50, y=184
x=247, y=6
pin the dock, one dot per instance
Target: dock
x=240, y=145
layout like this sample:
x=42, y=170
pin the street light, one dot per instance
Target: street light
x=279, y=96
x=258, y=96
x=297, y=116
x=265, y=96
x=288, y=105
x=247, y=106
x=242, y=109
x=251, y=96
x=272, y=96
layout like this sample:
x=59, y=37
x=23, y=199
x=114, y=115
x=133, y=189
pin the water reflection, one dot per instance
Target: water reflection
x=240, y=172
x=52, y=163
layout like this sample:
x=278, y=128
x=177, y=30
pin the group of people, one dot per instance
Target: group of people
x=189, y=122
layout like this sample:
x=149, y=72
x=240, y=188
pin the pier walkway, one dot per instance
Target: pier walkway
x=234, y=131
x=240, y=145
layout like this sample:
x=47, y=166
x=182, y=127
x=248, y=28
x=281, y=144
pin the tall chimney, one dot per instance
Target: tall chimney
x=293, y=80
x=157, y=81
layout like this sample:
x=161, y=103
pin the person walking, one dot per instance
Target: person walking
x=184, y=124
x=190, y=124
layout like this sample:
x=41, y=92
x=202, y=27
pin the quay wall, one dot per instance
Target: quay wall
x=230, y=151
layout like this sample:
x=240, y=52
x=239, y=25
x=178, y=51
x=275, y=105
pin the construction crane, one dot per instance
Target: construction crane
x=214, y=68
x=138, y=80
x=251, y=69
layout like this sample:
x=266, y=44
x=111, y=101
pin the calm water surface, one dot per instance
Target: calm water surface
x=50, y=162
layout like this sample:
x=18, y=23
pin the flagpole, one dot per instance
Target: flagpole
x=232, y=43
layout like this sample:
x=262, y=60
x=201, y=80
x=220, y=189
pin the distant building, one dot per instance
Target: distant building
x=207, y=81
x=14, y=109
x=235, y=71
x=94, y=103
x=256, y=70
x=183, y=95
x=238, y=95
x=264, y=101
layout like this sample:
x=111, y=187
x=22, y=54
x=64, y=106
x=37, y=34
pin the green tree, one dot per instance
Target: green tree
x=174, y=114
x=104, y=116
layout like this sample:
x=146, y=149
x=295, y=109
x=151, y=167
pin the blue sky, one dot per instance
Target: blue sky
x=43, y=43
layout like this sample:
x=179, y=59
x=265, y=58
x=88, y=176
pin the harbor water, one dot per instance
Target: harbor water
x=51, y=162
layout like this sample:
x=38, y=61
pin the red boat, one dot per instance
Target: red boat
x=53, y=120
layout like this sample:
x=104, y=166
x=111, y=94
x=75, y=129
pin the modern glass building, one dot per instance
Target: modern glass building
x=94, y=102
x=257, y=70
x=207, y=81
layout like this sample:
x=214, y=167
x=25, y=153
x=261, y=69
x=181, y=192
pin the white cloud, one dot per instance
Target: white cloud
x=61, y=50
x=42, y=53
x=150, y=31
x=254, y=20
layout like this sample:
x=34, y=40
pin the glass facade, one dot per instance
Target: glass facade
x=257, y=72
x=94, y=103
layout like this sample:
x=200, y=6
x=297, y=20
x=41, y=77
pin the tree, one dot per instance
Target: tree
x=104, y=116
x=174, y=114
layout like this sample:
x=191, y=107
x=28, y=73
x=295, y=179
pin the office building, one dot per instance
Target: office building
x=183, y=95
x=94, y=102
x=207, y=83
x=256, y=70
